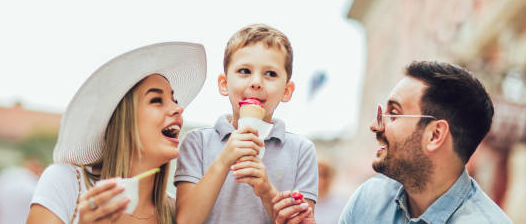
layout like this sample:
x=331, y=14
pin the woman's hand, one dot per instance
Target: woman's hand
x=287, y=210
x=244, y=142
x=95, y=205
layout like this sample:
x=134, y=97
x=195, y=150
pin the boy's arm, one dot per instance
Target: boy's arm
x=204, y=194
x=250, y=170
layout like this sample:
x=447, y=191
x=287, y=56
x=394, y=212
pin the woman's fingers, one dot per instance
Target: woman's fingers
x=284, y=203
x=300, y=217
x=94, y=204
x=107, y=195
x=291, y=212
x=280, y=196
x=97, y=189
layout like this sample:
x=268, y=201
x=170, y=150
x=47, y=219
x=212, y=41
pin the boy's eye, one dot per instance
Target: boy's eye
x=271, y=73
x=156, y=100
x=244, y=71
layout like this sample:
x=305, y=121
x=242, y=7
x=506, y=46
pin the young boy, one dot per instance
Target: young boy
x=257, y=66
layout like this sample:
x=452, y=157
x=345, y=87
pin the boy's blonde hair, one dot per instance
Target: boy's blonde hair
x=256, y=33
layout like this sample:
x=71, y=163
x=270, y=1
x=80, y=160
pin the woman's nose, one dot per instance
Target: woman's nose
x=176, y=109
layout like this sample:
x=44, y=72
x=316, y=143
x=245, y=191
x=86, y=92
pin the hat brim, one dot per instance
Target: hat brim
x=81, y=135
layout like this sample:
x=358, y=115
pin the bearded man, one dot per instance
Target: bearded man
x=433, y=121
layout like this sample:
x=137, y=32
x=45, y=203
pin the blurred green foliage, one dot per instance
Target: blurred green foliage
x=40, y=146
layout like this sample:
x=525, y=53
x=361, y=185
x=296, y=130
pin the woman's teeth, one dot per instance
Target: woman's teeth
x=171, y=131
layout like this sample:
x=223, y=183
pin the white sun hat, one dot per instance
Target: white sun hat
x=83, y=125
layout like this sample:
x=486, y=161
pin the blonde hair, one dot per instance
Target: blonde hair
x=121, y=144
x=257, y=33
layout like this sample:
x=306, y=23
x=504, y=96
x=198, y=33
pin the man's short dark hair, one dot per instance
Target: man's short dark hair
x=455, y=95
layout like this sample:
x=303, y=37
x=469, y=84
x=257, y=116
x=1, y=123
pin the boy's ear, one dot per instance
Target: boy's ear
x=289, y=89
x=221, y=83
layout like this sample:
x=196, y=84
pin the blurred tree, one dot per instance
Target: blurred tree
x=39, y=145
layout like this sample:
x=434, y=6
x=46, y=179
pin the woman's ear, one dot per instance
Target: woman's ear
x=221, y=84
x=438, y=136
x=289, y=89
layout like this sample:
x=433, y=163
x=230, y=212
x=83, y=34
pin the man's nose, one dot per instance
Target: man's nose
x=376, y=127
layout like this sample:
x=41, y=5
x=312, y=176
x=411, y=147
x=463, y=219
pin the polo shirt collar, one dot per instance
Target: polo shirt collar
x=224, y=128
x=444, y=207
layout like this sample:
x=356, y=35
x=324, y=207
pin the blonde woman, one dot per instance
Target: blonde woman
x=124, y=120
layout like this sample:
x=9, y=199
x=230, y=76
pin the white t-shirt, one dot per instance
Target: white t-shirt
x=58, y=190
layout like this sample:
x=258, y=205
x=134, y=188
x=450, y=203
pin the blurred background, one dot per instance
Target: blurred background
x=348, y=55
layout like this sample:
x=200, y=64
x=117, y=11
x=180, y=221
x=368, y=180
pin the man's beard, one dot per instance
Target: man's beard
x=405, y=162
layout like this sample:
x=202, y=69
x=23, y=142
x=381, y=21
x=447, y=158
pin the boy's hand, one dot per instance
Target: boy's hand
x=244, y=142
x=250, y=170
x=287, y=210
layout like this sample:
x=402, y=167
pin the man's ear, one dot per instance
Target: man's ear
x=221, y=83
x=438, y=136
x=289, y=89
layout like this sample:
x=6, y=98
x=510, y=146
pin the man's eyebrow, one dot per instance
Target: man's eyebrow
x=154, y=90
x=391, y=102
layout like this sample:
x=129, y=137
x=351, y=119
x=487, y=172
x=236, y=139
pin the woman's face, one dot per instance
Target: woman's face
x=159, y=120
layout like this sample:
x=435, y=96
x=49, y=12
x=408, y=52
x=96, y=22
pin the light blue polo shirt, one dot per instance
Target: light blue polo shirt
x=289, y=158
x=383, y=200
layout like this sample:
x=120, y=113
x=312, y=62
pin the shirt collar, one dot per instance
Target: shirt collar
x=444, y=207
x=224, y=128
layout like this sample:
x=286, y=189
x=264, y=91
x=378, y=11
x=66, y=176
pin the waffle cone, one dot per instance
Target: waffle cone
x=252, y=110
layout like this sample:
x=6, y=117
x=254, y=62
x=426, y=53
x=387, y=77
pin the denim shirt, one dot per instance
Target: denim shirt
x=384, y=200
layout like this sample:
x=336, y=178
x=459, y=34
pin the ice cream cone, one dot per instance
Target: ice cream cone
x=251, y=110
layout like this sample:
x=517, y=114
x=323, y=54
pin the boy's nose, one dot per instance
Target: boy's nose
x=256, y=82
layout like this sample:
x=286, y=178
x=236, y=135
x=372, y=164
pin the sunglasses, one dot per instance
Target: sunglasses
x=379, y=123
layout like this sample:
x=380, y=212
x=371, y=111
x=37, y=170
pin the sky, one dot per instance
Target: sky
x=49, y=48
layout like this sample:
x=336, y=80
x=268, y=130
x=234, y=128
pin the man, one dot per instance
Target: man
x=434, y=120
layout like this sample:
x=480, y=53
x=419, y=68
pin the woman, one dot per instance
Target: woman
x=123, y=121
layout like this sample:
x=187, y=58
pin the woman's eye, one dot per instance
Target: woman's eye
x=156, y=100
x=244, y=71
x=271, y=73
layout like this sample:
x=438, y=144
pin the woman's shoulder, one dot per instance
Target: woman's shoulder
x=58, y=190
x=61, y=175
x=60, y=171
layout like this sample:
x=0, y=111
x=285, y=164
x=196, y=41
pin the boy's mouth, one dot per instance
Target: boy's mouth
x=255, y=98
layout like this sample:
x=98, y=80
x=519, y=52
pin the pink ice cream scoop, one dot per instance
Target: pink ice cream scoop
x=251, y=107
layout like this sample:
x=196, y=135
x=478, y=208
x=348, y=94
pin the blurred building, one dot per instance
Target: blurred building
x=486, y=36
x=24, y=132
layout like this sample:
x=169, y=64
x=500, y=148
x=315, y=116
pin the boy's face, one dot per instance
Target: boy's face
x=256, y=71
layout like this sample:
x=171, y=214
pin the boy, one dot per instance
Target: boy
x=257, y=66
